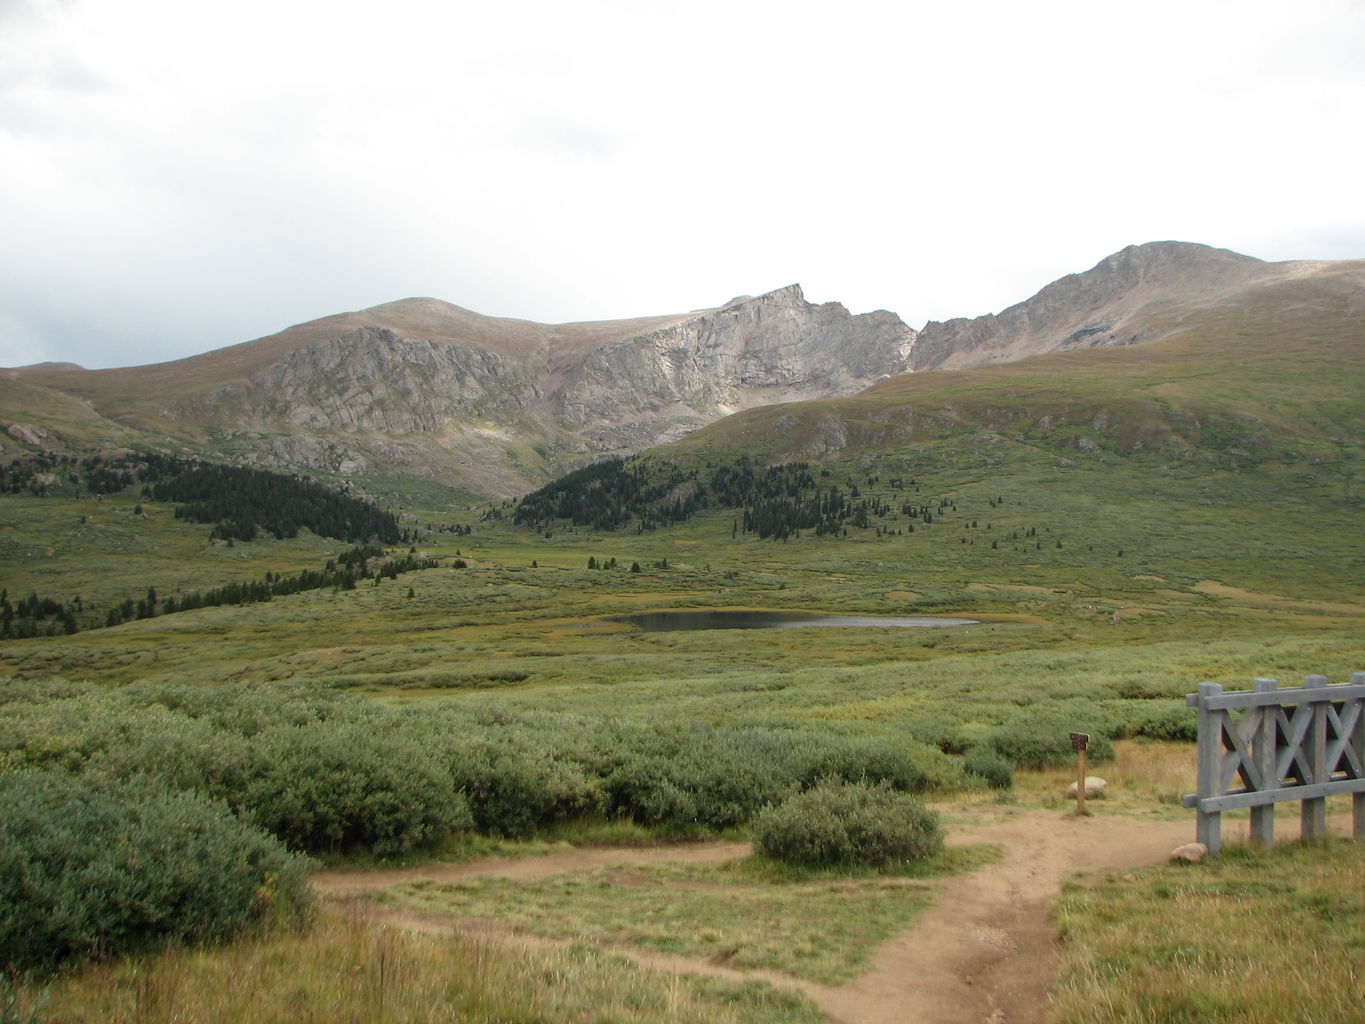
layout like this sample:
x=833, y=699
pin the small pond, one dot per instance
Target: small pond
x=657, y=622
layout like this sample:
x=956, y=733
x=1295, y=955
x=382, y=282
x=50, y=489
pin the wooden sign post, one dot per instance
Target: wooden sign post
x=1080, y=742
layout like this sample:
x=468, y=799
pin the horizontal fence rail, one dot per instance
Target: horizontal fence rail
x=1301, y=743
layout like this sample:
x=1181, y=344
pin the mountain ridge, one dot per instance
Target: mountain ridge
x=1140, y=293
x=420, y=387
x=496, y=404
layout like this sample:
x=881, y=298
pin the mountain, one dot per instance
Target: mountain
x=422, y=387
x=419, y=396
x=1267, y=368
x=1142, y=293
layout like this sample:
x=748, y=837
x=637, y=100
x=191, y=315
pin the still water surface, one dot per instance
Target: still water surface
x=655, y=622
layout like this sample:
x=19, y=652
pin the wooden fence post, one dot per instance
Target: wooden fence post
x=1358, y=745
x=1209, y=770
x=1314, y=810
x=1263, y=752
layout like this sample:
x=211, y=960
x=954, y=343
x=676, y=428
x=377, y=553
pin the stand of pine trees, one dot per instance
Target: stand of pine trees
x=241, y=502
x=775, y=502
x=612, y=495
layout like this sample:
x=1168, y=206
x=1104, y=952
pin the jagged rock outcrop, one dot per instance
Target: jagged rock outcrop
x=775, y=348
x=615, y=396
x=1142, y=293
x=27, y=434
x=373, y=379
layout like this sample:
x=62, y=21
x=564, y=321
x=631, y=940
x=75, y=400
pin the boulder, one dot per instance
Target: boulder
x=1094, y=786
x=1190, y=853
x=27, y=434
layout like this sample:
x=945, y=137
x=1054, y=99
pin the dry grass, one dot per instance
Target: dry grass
x=1249, y=937
x=816, y=926
x=349, y=970
x=1145, y=778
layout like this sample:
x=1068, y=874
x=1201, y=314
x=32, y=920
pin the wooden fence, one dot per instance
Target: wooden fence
x=1301, y=743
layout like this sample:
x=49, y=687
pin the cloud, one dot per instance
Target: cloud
x=175, y=177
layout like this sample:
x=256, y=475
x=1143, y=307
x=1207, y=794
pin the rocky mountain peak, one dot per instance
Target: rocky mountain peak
x=791, y=295
x=1179, y=254
x=1115, y=302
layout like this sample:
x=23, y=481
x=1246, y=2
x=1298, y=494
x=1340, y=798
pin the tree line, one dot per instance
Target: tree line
x=615, y=494
x=367, y=562
x=35, y=616
x=241, y=502
x=774, y=502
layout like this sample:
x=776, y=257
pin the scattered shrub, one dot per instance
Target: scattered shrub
x=89, y=871
x=338, y=786
x=848, y=824
x=986, y=763
x=513, y=789
x=642, y=788
x=1041, y=739
x=1144, y=688
x=732, y=787
x=1166, y=722
x=328, y=772
x=874, y=761
x=937, y=770
x=695, y=777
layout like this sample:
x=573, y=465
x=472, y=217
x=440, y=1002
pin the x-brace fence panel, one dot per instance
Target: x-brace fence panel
x=1259, y=747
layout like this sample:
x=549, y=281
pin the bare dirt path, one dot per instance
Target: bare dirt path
x=985, y=953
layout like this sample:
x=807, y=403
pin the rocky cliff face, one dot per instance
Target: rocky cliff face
x=776, y=348
x=1142, y=293
x=501, y=404
x=374, y=379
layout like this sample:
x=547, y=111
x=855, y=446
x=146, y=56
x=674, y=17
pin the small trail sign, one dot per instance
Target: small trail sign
x=1080, y=742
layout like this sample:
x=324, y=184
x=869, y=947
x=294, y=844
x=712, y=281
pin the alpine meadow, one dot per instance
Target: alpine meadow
x=347, y=674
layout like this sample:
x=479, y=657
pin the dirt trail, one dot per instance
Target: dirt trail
x=985, y=953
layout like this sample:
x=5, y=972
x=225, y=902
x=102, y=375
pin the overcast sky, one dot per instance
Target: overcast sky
x=179, y=176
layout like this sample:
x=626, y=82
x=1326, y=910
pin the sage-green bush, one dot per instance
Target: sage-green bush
x=700, y=775
x=1161, y=721
x=683, y=784
x=816, y=758
x=324, y=775
x=92, y=869
x=339, y=786
x=514, y=788
x=1040, y=738
x=987, y=764
x=329, y=772
x=848, y=824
